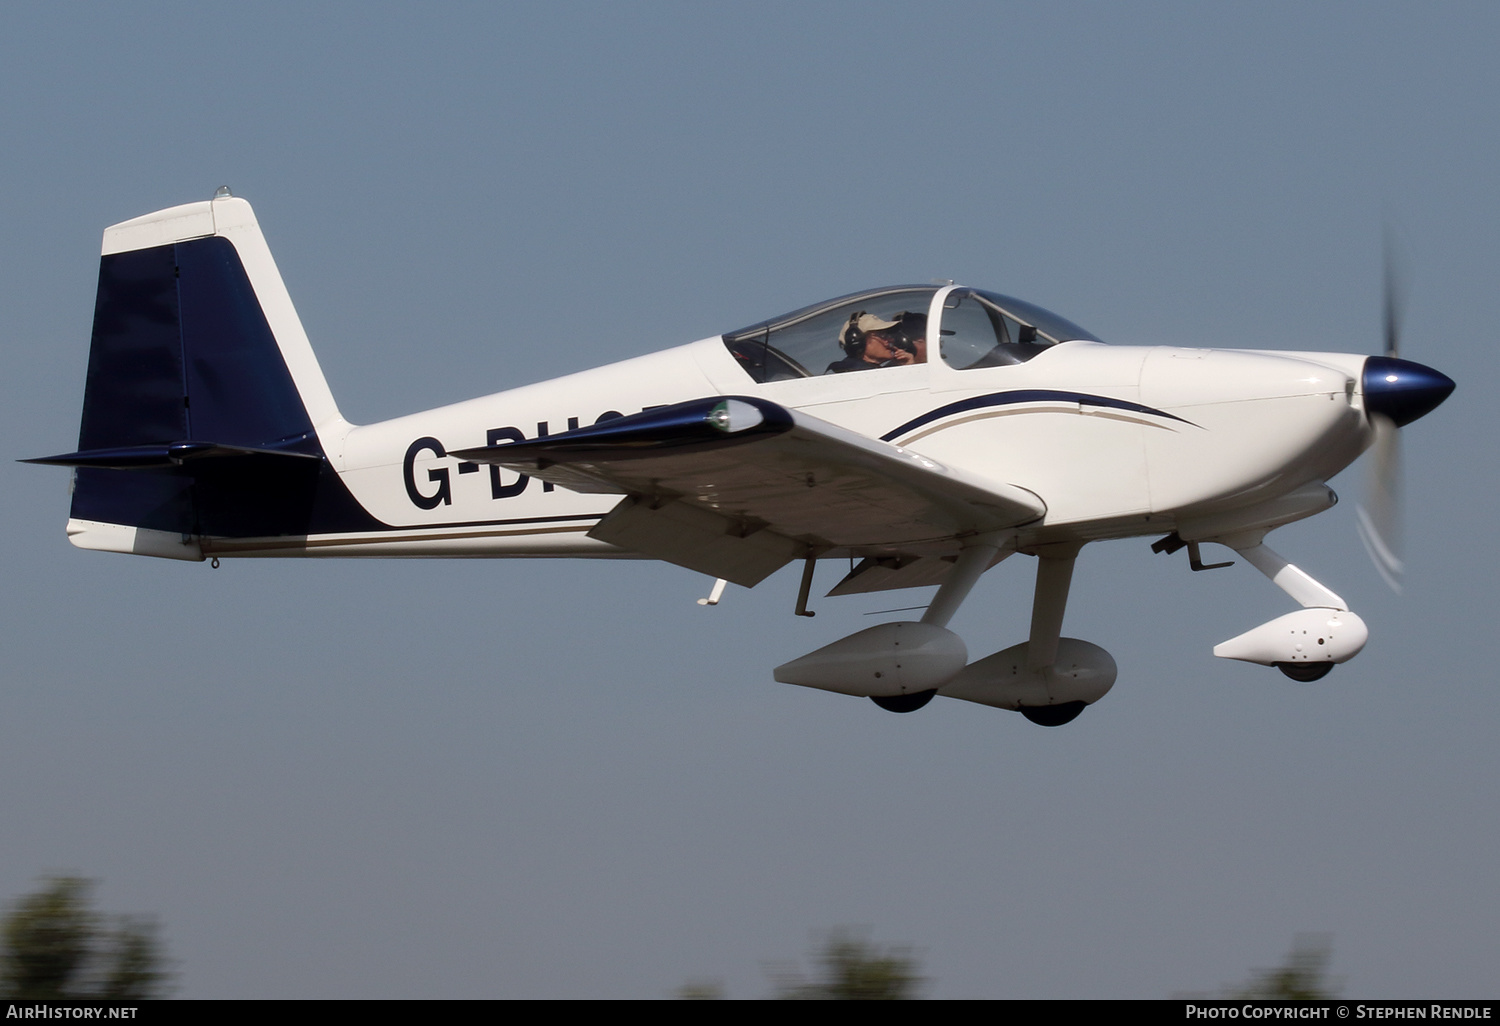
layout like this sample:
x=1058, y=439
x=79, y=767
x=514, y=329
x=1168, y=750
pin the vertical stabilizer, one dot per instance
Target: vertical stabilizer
x=204, y=403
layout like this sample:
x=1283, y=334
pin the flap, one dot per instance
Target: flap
x=890, y=573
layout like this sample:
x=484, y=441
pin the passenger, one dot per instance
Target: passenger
x=869, y=342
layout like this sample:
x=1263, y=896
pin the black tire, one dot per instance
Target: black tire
x=904, y=703
x=1053, y=715
x=1306, y=673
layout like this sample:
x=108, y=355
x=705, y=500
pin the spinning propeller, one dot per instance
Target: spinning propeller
x=1396, y=392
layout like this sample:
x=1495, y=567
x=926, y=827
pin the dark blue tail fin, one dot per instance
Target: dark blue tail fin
x=203, y=401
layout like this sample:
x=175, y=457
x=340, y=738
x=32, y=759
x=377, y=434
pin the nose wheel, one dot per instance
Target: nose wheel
x=1306, y=673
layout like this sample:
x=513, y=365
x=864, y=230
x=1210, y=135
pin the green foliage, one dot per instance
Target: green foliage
x=1302, y=977
x=55, y=947
x=701, y=990
x=853, y=969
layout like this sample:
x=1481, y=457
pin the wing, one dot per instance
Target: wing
x=737, y=487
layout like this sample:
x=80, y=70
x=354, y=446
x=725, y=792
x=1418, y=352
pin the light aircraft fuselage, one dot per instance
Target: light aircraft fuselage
x=924, y=432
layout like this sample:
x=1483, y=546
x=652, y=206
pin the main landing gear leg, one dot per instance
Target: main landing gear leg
x=1054, y=577
x=1048, y=679
x=973, y=561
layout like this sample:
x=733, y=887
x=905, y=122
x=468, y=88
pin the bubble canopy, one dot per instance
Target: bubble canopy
x=892, y=327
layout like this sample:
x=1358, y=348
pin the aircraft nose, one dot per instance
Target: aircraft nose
x=1403, y=390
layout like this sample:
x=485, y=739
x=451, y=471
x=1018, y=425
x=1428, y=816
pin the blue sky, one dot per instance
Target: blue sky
x=566, y=779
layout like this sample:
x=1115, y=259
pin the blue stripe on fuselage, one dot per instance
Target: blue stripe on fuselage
x=1025, y=395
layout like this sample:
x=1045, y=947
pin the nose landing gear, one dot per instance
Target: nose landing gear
x=1306, y=644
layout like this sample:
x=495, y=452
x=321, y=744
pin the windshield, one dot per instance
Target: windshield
x=861, y=331
x=986, y=329
x=888, y=328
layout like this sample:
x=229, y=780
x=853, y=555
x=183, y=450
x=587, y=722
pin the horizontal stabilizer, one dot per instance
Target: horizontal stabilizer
x=145, y=457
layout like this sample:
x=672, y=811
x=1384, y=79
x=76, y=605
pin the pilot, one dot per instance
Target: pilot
x=869, y=341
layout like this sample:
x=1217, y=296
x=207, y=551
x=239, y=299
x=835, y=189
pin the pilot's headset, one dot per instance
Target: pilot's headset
x=910, y=326
x=860, y=324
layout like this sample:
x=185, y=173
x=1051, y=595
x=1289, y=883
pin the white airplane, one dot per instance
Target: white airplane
x=922, y=433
